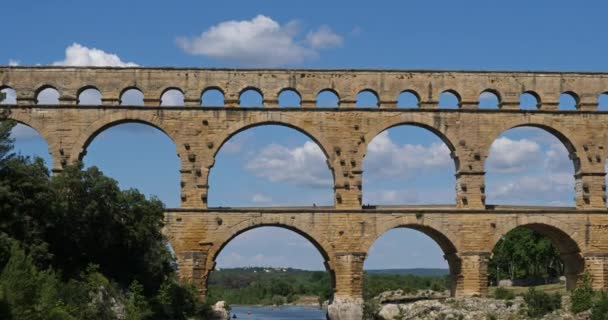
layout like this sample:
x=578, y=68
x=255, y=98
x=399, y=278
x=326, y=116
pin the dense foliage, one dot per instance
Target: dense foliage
x=278, y=286
x=75, y=246
x=540, y=303
x=525, y=255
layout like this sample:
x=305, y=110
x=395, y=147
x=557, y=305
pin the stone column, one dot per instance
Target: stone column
x=347, y=176
x=470, y=190
x=596, y=264
x=192, y=269
x=347, y=303
x=429, y=104
x=469, y=104
x=473, y=277
x=194, y=174
x=590, y=190
x=192, y=98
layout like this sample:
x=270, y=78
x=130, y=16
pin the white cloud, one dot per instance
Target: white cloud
x=510, y=156
x=553, y=189
x=13, y=62
x=305, y=165
x=385, y=159
x=260, y=41
x=439, y=194
x=323, y=37
x=260, y=198
x=79, y=55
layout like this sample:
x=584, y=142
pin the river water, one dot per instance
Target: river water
x=277, y=313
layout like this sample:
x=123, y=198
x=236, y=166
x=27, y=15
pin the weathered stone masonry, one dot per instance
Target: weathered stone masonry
x=344, y=232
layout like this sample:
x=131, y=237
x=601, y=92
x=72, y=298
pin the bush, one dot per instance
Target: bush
x=582, y=296
x=540, y=303
x=599, y=311
x=503, y=294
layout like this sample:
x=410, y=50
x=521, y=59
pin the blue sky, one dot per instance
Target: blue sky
x=261, y=166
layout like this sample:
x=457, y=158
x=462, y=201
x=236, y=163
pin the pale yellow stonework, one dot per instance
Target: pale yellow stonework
x=344, y=232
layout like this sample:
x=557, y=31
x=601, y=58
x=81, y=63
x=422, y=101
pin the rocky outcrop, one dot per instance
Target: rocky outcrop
x=220, y=311
x=400, y=296
x=467, y=309
x=345, y=309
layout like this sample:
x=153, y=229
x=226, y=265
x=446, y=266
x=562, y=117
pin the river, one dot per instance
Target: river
x=277, y=313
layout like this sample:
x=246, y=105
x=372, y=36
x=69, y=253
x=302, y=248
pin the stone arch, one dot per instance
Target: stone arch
x=125, y=90
x=322, y=246
x=551, y=128
x=361, y=94
x=210, y=89
x=88, y=135
x=330, y=91
x=444, y=238
x=7, y=89
x=494, y=93
x=251, y=89
x=573, y=96
x=533, y=94
x=455, y=94
x=424, y=124
x=44, y=87
x=40, y=129
x=169, y=90
x=413, y=93
x=287, y=91
x=84, y=89
x=567, y=240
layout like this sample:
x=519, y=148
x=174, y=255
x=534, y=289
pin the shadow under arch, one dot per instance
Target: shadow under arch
x=568, y=247
x=85, y=138
x=323, y=248
x=374, y=133
x=443, y=240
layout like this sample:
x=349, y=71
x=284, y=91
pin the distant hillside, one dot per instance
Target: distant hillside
x=415, y=271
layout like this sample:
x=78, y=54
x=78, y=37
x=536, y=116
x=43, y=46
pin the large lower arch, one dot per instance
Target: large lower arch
x=323, y=247
x=443, y=238
x=566, y=239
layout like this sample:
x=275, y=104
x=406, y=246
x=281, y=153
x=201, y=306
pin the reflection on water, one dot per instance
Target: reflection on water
x=277, y=313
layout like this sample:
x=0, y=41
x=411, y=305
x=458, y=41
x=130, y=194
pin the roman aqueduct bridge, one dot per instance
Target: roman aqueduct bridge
x=344, y=232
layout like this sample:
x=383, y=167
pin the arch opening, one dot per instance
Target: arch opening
x=449, y=99
x=602, y=101
x=489, y=99
x=411, y=257
x=270, y=164
x=568, y=101
x=47, y=96
x=275, y=264
x=9, y=95
x=89, y=96
x=132, y=97
x=289, y=98
x=212, y=97
x=529, y=101
x=28, y=142
x=172, y=98
x=367, y=99
x=147, y=159
x=531, y=165
x=251, y=98
x=328, y=98
x=409, y=164
x=536, y=254
x=408, y=99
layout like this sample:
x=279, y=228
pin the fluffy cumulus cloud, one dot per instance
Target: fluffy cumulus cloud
x=510, y=156
x=79, y=55
x=552, y=189
x=385, y=159
x=304, y=165
x=260, y=41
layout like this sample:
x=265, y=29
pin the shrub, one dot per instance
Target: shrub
x=582, y=296
x=540, y=303
x=503, y=294
x=599, y=311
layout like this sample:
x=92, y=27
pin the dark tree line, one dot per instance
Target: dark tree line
x=75, y=246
